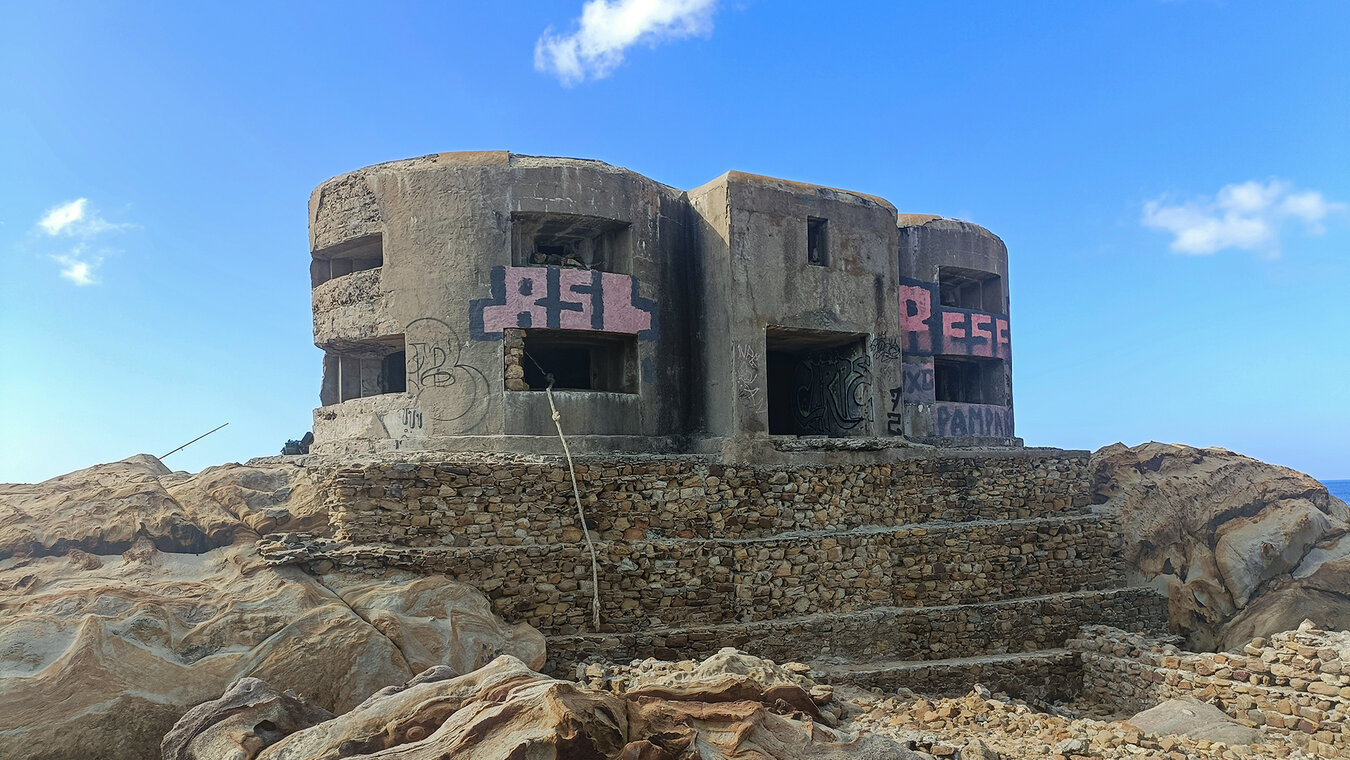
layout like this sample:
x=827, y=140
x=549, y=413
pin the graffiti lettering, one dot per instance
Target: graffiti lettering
x=562, y=299
x=412, y=419
x=918, y=382
x=916, y=309
x=433, y=362
x=886, y=348
x=747, y=376
x=895, y=419
x=947, y=330
x=980, y=420
x=833, y=393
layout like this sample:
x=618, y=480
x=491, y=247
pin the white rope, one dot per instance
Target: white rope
x=581, y=511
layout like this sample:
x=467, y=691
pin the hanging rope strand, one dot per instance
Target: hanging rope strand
x=576, y=494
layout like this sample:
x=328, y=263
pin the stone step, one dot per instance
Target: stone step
x=668, y=583
x=1016, y=626
x=1045, y=675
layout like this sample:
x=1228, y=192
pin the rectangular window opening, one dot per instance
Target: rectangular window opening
x=577, y=360
x=571, y=240
x=969, y=381
x=357, y=369
x=340, y=260
x=819, y=383
x=962, y=288
x=817, y=242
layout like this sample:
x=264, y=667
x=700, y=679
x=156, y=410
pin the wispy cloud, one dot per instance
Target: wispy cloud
x=77, y=221
x=606, y=29
x=1249, y=216
x=61, y=217
x=78, y=272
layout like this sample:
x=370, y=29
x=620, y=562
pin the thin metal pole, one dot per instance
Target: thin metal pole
x=194, y=440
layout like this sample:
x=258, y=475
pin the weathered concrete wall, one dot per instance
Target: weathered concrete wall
x=931, y=333
x=1297, y=682
x=758, y=288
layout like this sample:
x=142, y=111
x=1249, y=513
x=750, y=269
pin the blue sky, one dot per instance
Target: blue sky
x=1170, y=178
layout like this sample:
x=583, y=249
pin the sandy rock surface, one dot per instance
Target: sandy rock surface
x=103, y=509
x=505, y=710
x=653, y=710
x=129, y=594
x=729, y=675
x=1242, y=548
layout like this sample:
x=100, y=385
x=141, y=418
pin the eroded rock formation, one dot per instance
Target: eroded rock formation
x=507, y=710
x=1241, y=547
x=130, y=594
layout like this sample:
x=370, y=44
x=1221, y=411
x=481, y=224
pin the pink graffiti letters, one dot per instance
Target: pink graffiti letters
x=916, y=306
x=565, y=299
x=947, y=330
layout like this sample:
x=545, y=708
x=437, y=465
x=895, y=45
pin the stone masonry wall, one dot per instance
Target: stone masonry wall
x=938, y=555
x=1297, y=682
x=486, y=500
x=703, y=581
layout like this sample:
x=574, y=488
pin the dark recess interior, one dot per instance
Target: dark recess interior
x=786, y=349
x=580, y=361
x=970, y=289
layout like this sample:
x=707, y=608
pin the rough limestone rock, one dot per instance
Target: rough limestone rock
x=505, y=710
x=435, y=621
x=729, y=676
x=103, y=509
x=247, y=718
x=1242, y=548
x=101, y=651
x=1191, y=717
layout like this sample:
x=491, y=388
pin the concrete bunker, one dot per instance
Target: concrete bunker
x=719, y=320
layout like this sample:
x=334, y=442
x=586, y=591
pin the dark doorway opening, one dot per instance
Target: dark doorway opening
x=819, y=383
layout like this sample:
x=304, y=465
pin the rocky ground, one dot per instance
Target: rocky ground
x=129, y=593
x=982, y=725
x=985, y=726
x=730, y=705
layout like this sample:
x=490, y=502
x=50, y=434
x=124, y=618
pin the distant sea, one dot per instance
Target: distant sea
x=1339, y=488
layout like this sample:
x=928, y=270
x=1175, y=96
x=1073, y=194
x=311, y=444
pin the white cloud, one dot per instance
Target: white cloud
x=78, y=220
x=78, y=272
x=61, y=217
x=606, y=29
x=1249, y=216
